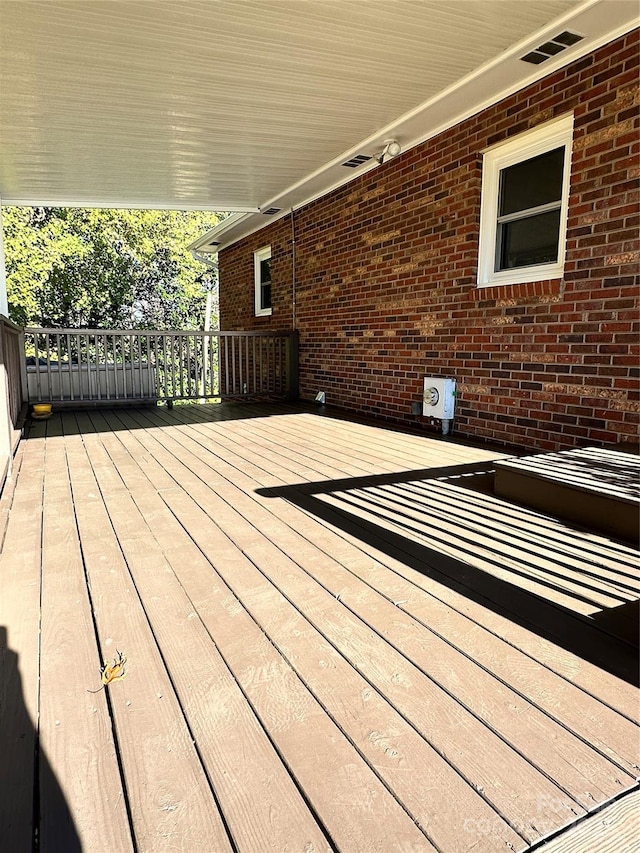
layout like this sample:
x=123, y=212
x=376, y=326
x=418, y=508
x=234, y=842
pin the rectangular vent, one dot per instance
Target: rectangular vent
x=534, y=58
x=568, y=38
x=271, y=210
x=551, y=47
x=358, y=160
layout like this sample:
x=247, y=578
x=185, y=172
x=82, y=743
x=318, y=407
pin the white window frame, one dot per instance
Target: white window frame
x=259, y=256
x=525, y=146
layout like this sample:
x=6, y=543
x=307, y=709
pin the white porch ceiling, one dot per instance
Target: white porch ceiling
x=242, y=104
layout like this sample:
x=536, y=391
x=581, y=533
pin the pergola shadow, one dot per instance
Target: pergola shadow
x=541, y=574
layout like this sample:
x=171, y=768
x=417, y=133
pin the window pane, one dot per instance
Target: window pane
x=531, y=183
x=265, y=284
x=524, y=242
x=265, y=271
x=265, y=296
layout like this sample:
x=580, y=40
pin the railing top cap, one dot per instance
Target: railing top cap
x=13, y=327
x=36, y=330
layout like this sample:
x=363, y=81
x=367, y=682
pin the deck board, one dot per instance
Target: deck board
x=615, y=829
x=595, y=487
x=232, y=512
x=252, y=588
x=357, y=809
x=20, y=579
x=168, y=792
x=74, y=726
x=250, y=781
x=453, y=571
x=586, y=551
x=453, y=667
x=605, y=471
x=338, y=666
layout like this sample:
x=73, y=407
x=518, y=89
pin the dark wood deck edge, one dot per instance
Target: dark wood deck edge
x=559, y=477
x=607, y=513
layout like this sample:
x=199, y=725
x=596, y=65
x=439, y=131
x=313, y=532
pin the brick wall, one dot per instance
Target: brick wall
x=386, y=277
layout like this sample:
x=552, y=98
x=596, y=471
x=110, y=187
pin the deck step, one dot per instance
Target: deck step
x=592, y=486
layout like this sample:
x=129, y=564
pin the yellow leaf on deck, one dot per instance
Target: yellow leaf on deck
x=114, y=671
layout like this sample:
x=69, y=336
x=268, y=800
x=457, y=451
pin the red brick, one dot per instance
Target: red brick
x=386, y=277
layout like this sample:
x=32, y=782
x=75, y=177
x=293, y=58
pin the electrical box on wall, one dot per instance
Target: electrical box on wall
x=438, y=398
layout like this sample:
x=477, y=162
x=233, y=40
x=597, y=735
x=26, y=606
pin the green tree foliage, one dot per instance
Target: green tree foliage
x=116, y=269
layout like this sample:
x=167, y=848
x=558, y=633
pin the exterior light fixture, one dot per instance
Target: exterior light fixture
x=391, y=149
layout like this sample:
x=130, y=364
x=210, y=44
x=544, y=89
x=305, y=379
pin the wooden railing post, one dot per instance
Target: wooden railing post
x=293, y=370
x=23, y=368
x=6, y=426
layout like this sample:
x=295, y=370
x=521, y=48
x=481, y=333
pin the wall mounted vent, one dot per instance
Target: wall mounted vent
x=270, y=211
x=358, y=160
x=552, y=47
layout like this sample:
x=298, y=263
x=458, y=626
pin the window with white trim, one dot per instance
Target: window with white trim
x=523, y=215
x=262, y=278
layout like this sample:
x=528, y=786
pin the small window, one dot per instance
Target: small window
x=525, y=194
x=262, y=273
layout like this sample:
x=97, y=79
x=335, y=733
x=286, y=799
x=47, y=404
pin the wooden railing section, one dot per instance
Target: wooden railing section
x=12, y=359
x=98, y=366
x=11, y=392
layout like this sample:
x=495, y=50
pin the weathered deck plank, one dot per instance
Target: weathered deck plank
x=169, y=796
x=438, y=577
x=264, y=554
x=607, y=578
x=473, y=545
x=615, y=829
x=74, y=725
x=352, y=557
x=391, y=745
x=456, y=671
x=333, y=675
x=20, y=578
x=358, y=811
x=262, y=806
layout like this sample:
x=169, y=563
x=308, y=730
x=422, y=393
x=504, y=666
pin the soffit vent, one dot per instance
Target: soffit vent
x=270, y=211
x=550, y=48
x=358, y=160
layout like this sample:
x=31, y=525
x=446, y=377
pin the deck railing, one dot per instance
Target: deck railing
x=12, y=360
x=93, y=366
x=10, y=393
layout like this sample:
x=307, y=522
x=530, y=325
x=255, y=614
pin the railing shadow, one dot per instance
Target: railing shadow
x=33, y=810
x=541, y=574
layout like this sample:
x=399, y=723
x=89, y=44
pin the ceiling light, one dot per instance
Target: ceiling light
x=391, y=149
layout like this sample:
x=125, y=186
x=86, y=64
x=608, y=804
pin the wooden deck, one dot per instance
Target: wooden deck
x=337, y=639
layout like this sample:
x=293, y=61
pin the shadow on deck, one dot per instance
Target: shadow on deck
x=569, y=586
